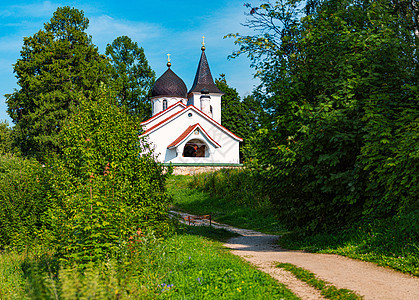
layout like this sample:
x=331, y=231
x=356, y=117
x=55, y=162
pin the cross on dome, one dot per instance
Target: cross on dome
x=203, y=43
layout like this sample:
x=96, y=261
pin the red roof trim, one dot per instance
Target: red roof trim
x=218, y=124
x=186, y=134
x=199, y=112
x=163, y=111
x=161, y=122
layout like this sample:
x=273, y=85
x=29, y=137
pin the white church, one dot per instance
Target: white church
x=185, y=127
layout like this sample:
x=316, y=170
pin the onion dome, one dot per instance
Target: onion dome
x=169, y=85
x=203, y=77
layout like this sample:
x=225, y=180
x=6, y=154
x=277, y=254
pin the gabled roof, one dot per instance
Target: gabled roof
x=188, y=108
x=188, y=132
x=167, y=110
x=203, y=77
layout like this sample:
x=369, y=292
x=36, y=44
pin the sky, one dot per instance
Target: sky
x=160, y=27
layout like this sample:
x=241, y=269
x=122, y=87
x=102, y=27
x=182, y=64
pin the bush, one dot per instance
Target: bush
x=239, y=186
x=108, y=187
x=23, y=209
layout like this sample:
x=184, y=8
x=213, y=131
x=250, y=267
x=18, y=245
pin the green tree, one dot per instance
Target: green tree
x=56, y=63
x=337, y=82
x=5, y=138
x=234, y=115
x=132, y=77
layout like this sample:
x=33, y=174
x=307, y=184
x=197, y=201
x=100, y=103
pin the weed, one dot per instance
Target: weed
x=327, y=290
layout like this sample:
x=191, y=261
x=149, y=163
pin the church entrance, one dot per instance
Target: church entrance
x=194, y=148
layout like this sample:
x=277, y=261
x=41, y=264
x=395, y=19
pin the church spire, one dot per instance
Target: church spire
x=203, y=77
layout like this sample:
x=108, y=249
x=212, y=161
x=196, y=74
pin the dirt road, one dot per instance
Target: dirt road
x=366, y=279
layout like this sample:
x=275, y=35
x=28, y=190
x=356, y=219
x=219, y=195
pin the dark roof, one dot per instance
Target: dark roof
x=203, y=77
x=169, y=84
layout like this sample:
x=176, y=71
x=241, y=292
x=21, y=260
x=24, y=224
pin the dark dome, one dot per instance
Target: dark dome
x=169, y=84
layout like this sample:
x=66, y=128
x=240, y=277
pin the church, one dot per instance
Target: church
x=185, y=127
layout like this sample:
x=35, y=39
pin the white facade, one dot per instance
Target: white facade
x=221, y=145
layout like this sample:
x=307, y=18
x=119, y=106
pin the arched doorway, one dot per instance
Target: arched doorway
x=195, y=148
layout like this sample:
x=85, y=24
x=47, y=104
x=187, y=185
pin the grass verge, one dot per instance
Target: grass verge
x=327, y=290
x=184, y=266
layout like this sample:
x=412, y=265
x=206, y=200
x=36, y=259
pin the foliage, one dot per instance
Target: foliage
x=132, y=77
x=338, y=79
x=327, y=290
x=238, y=116
x=23, y=201
x=56, y=64
x=108, y=188
x=182, y=266
x=6, y=138
x=234, y=114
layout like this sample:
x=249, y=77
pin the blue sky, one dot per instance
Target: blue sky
x=160, y=27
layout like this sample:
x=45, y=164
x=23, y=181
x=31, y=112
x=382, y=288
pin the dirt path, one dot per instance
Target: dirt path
x=366, y=279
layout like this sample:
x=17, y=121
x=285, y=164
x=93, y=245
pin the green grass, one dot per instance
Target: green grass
x=194, y=201
x=210, y=232
x=384, y=243
x=327, y=290
x=184, y=266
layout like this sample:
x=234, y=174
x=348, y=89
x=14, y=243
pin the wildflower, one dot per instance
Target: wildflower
x=165, y=286
x=199, y=280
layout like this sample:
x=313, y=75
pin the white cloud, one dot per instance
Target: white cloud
x=104, y=29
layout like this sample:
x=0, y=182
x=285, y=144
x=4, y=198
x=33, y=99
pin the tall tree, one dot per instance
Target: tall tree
x=338, y=79
x=132, y=77
x=234, y=115
x=56, y=63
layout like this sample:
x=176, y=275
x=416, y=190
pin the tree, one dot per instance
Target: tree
x=234, y=114
x=5, y=138
x=237, y=115
x=56, y=63
x=338, y=79
x=132, y=77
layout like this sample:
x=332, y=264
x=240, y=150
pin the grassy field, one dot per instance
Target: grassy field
x=188, y=265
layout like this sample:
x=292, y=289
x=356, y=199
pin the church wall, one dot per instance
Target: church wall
x=157, y=103
x=227, y=153
x=215, y=102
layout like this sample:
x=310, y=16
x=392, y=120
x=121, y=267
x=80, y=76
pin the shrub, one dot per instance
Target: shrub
x=108, y=185
x=23, y=203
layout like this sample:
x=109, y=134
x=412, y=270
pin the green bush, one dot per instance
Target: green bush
x=23, y=209
x=107, y=185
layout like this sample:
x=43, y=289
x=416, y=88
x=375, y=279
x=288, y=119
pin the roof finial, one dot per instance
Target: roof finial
x=203, y=43
x=168, y=60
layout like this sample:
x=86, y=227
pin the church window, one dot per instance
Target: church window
x=164, y=104
x=195, y=148
x=190, y=115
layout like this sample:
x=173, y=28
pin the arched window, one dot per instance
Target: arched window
x=164, y=104
x=194, y=148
